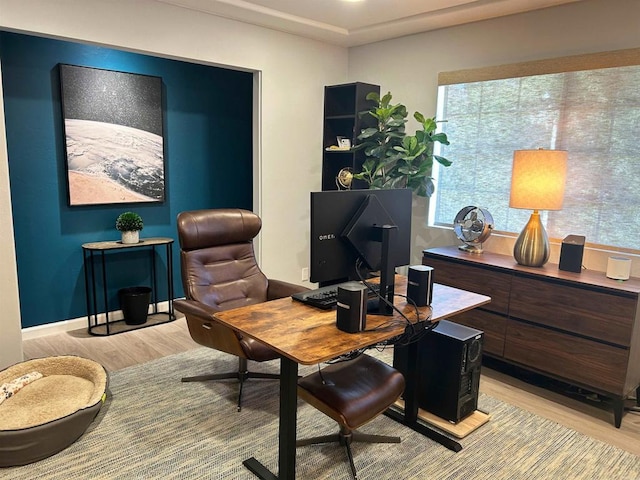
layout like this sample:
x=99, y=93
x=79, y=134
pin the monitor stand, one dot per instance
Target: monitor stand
x=385, y=234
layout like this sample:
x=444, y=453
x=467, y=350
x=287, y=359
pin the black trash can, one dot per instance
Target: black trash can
x=134, y=303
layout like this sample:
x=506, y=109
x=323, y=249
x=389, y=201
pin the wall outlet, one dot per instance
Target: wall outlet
x=305, y=274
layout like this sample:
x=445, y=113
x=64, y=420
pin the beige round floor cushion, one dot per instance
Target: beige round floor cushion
x=46, y=404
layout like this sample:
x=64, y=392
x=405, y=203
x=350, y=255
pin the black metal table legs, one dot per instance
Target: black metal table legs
x=287, y=427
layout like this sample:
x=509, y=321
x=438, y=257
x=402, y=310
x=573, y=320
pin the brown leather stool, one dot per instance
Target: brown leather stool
x=352, y=393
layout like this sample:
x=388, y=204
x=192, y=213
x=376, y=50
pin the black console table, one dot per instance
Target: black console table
x=94, y=253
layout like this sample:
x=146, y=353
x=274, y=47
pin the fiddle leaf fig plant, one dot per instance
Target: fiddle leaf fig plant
x=395, y=159
x=416, y=156
x=378, y=142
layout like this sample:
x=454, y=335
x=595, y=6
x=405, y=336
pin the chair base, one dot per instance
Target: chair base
x=241, y=375
x=345, y=437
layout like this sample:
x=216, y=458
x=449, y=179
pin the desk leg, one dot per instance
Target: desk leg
x=409, y=416
x=288, y=418
x=411, y=388
x=287, y=427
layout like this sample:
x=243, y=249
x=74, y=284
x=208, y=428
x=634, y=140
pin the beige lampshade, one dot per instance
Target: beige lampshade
x=538, y=179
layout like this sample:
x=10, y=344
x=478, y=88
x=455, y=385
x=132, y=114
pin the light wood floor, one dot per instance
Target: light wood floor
x=139, y=346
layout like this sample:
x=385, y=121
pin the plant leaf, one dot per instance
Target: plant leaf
x=373, y=96
x=442, y=161
x=440, y=137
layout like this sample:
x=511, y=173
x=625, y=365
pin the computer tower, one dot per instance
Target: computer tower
x=449, y=362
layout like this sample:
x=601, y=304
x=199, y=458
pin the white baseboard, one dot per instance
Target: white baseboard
x=76, y=323
x=56, y=327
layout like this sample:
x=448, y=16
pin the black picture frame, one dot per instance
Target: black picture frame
x=113, y=132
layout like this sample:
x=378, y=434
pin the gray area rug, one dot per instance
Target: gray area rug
x=155, y=427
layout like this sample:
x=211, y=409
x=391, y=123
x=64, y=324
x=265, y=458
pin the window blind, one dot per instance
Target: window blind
x=588, y=105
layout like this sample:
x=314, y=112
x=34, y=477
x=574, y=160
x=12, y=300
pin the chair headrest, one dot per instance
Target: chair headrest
x=223, y=226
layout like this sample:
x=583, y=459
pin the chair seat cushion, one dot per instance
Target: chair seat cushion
x=257, y=351
x=353, y=392
x=51, y=410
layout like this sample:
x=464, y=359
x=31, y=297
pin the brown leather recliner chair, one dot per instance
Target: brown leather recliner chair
x=220, y=272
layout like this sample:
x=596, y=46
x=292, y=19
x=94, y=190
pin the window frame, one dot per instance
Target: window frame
x=576, y=63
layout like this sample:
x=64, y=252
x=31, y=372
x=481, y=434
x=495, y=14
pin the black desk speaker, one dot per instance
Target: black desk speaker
x=420, y=285
x=351, y=309
x=571, y=253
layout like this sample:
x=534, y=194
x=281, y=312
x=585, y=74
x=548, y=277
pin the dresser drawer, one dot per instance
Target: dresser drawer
x=473, y=279
x=494, y=327
x=570, y=358
x=595, y=314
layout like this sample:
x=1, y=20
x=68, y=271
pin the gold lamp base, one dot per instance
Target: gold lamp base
x=532, y=246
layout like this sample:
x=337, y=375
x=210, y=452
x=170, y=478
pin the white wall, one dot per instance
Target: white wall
x=292, y=71
x=409, y=67
x=10, y=338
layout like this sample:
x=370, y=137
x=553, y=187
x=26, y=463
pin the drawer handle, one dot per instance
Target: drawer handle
x=207, y=326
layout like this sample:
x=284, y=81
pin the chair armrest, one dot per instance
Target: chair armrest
x=206, y=330
x=197, y=309
x=280, y=289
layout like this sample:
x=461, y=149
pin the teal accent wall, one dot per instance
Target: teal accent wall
x=208, y=164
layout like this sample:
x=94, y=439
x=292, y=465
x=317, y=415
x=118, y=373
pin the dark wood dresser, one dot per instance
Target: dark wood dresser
x=581, y=328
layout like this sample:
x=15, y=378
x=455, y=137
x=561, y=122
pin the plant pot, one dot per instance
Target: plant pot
x=134, y=303
x=131, y=236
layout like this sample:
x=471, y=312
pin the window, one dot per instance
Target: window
x=587, y=105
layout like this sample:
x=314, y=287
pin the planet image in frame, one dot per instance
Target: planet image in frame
x=111, y=163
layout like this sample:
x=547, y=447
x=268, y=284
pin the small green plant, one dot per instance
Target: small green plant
x=129, y=222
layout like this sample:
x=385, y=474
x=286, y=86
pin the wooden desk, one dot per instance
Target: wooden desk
x=308, y=336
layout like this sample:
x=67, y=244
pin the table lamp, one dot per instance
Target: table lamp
x=537, y=183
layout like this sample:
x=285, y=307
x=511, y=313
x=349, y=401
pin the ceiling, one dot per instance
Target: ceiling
x=357, y=22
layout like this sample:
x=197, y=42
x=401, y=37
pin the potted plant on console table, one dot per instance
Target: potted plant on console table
x=130, y=224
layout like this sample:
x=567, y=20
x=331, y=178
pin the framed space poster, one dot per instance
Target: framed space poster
x=113, y=136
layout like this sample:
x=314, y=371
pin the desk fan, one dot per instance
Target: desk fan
x=473, y=226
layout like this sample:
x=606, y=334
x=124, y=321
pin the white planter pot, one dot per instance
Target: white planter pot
x=131, y=237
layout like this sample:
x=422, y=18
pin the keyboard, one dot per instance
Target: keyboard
x=327, y=297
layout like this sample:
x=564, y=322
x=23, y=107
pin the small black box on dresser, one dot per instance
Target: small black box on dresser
x=571, y=253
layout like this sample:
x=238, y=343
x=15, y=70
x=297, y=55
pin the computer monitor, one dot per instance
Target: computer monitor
x=356, y=232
